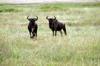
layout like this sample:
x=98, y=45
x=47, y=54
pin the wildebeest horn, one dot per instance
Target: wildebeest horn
x=27, y=17
x=54, y=17
x=47, y=17
x=36, y=18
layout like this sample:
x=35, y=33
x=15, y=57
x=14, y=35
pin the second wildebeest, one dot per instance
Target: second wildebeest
x=56, y=25
x=32, y=27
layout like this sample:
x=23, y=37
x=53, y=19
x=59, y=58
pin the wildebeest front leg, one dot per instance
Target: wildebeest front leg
x=33, y=34
x=36, y=34
x=53, y=32
x=30, y=34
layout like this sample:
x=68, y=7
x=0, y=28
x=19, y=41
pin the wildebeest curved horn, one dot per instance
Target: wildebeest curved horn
x=27, y=17
x=36, y=18
x=54, y=17
x=47, y=17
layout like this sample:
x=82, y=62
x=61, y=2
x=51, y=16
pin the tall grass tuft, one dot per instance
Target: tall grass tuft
x=10, y=10
x=49, y=8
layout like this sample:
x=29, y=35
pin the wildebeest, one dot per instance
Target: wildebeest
x=32, y=26
x=56, y=25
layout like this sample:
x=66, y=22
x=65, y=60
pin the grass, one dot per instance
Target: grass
x=9, y=10
x=80, y=47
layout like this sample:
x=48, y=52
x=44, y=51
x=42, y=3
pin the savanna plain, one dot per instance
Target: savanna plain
x=81, y=46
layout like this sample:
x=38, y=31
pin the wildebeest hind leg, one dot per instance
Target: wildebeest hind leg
x=61, y=32
x=64, y=29
x=53, y=32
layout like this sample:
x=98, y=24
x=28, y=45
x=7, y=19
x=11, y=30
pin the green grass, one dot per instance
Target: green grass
x=81, y=47
x=74, y=12
x=9, y=10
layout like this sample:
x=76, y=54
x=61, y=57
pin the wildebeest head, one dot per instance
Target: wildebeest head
x=32, y=20
x=51, y=20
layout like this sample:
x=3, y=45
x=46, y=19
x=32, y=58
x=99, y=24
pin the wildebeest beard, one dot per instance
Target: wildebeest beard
x=50, y=24
x=33, y=26
x=33, y=23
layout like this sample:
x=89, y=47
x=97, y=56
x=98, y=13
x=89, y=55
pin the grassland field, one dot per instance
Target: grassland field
x=81, y=46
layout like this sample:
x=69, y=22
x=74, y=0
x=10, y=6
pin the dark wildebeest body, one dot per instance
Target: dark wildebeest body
x=32, y=27
x=56, y=25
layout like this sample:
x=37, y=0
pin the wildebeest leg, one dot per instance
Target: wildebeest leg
x=33, y=34
x=30, y=33
x=64, y=29
x=61, y=32
x=53, y=32
x=36, y=34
